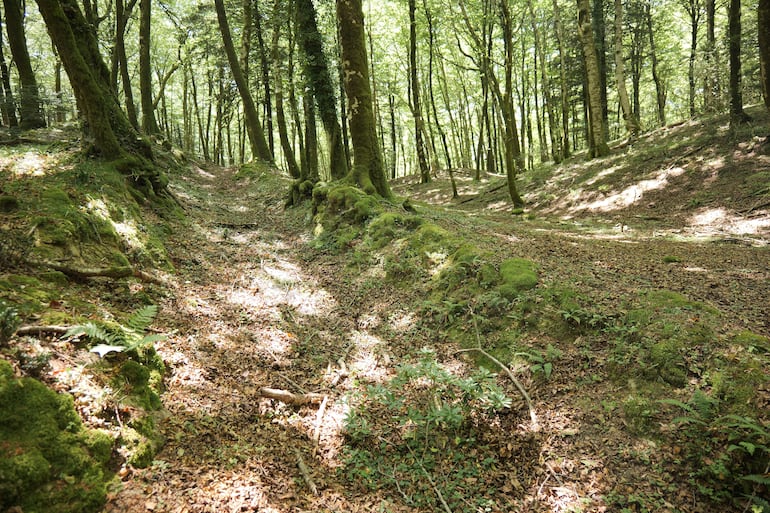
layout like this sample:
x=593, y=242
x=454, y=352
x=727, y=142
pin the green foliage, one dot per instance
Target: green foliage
x=422, y=425
x=542, y=362
x=48, y=461
x=120, y=337
x=729, y=453
x=9, y=322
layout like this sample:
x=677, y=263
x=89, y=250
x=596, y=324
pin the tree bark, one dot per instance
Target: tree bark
x=431, y=53
x=763, y=23
x=280, y=115
x=600, y=43
x=585, y=32
x=265, y=72
x=565, y=142
x=660, y=87
x=30, y=111
x=319, y=79
x=414, y=87
x=149, y=125
x=122, y=14
x=8, y=106
x=693, y=8
x=368, y=171
x=259, y=147
x=113, y=136
x=632, y=124
x=737, y=115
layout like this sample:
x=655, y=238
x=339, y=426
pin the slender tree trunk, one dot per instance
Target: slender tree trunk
x=122, y=14
x=632, y=123
x=711, y=77
x=431, y=55
x=280, y=115
x=600, y=42
x=763, y=23
x=265, y=72
x=368, y=171
x=737, y=114
x=393, y=152
x=693, y=8
x=660, y=87
x=600, y=147
x=259, y=146
x=414, y=87
x=31, y=110
x=565, y=142
x=9, y=105
x=322, y=89
x=149, y=124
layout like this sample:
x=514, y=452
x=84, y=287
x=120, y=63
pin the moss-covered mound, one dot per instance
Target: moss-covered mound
x=48, y=461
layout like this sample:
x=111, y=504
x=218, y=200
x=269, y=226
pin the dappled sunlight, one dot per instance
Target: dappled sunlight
x=30, y=164
x=370, y=361
x=631, y=194
x=719, y=220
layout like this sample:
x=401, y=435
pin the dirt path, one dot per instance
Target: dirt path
x=254, y=306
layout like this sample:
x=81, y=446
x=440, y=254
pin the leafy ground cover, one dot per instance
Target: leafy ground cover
x=638, y=330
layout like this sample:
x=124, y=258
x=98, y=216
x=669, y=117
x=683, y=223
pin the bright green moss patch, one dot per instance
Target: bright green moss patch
x=517, y=275
x=48, y=461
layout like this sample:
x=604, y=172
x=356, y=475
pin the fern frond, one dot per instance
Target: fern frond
x=92, y=331
x=142, y=318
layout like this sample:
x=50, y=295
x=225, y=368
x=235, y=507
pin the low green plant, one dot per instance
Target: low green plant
x=117, y=337
x=9, y=322
x=730, y=453
x=415, y=434
x=542, y=362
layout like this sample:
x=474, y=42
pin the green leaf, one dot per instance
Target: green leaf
x=757, y=478
x=140, y=320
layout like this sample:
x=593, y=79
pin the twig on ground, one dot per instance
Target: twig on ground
x=305, y=472
x=318, y=420
x=341, y=374
x=41, y=330
x=289, y=398
x=522, y=391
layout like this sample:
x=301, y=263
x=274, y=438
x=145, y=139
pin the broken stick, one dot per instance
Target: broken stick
x=289, y=398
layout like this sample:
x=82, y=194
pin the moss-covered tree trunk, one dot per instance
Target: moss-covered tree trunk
x=414, y=87
x=31, y=110
x=763, y=23
x=319, y=79
x=585, y=32
x=149, y=124
x=368, y=171
x=259, y=147
x=112, y=135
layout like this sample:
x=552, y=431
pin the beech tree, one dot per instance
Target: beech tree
x=30, y=111
x=368, y=171
x=585, y=31
x=763, y=23
x=737, y=114
x=106, y=125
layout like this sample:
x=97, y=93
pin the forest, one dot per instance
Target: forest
x=396, y=255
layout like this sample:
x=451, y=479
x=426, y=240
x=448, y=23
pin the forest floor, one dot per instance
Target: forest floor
x=653, y=264
x=257, y=304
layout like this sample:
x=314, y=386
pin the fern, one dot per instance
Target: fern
x=121, y=337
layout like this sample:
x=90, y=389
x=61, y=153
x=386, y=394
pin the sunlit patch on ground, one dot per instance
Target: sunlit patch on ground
x=631, y=194
x=716, y=220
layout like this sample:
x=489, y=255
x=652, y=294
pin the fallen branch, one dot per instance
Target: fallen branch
x=318, y=421
x=340, y=374
x=41, y=330
x=522, y=391
x=107, y=272
x=287, y=397
x=305, y=472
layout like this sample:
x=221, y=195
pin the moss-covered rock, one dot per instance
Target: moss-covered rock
x=8, y=204
x=516, y=275
x=48, y=461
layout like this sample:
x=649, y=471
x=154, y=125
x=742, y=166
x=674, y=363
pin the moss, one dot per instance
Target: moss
x=8, y=204
x=517, y=275
x=668, y=362
x=386, y=227
x=135, y=374
x=48, y=461
x=752, y=341
x=142, y=441
x=638, y=413
x=55, y=277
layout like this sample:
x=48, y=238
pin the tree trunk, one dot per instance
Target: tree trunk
x=632, y=124
x=122, y=14
x=9, y=106
x=30, y=109
x=660, y=87
x=737, y=115
x=585, y=32
x=280, y=115
x=319, y=79
x=763, y=23
x=367, y=171
x=259, y=147
x=600, y=43
x=113, y=136
x=414, y=87
x=693, y=8
x=265, y=72
x=565, y=142
x=431, y=53
x=149, y=125
x=711, y=78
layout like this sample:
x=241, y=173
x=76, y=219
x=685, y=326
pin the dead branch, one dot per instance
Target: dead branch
x=318, y=420
x=340, y=374
x=108, y=272
x=287, y=397
x=522, y=391
x=41, y=330
x=305, y=472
